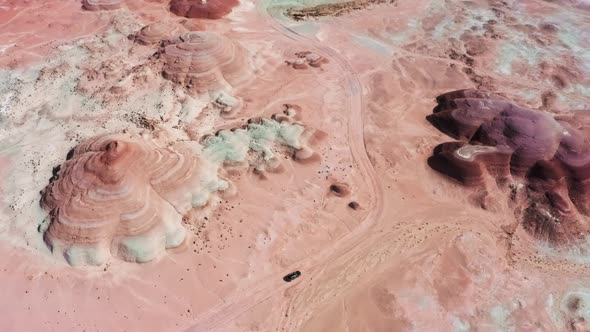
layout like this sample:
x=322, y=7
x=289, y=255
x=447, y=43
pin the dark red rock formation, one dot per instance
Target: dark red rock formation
x=208, y=9
x=340, y=189
x=94, y=5
x=549, y=155
x=468, y=163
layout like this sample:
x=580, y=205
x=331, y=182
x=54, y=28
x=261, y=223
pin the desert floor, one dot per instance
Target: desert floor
x=420, y=253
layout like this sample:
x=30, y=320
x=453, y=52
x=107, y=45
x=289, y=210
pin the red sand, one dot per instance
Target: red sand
x=31, y=30
x=396, y=246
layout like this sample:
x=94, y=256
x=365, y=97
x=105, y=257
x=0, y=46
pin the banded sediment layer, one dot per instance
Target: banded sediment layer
x=121, y=196
x=548, y=154
x=207, y=9
x=205, y=61
x=156, y=32
x=126, y=196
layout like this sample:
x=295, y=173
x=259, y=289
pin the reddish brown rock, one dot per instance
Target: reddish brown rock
x=156, y=32
x=208, y=9
x=101, y=4
x=306, y=59
x=468, y=163
x=119, y=196
x=205, y=61
x=340, y=189
x=549, y=154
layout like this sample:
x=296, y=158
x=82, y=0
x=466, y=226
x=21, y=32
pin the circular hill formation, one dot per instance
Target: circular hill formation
x=548, y=155
x=207, y=9
x=203, y=61
x=119, y=196
x=101, y=4
x=156, y=32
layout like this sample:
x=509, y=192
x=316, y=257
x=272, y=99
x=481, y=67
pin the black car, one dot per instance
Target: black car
x=292, y=276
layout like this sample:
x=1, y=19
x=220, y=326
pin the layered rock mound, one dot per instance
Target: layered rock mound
x=207, y=9
x=205, y=61
x=306, y=59
x=156, y=32
x=262, y=143
x=101, y=4
x=119, y=196
x=548, y=155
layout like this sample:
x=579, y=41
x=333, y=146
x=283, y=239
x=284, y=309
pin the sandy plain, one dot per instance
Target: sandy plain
x=418, y=254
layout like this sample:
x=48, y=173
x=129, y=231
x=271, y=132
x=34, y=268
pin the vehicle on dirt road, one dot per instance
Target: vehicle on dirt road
x=292, y=276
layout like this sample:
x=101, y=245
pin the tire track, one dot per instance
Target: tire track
x=240, y=303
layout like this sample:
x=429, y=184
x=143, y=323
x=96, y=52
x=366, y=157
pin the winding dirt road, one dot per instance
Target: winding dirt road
x=239, y=303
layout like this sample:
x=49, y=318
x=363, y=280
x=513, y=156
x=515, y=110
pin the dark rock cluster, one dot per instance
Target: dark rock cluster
x=547, y=154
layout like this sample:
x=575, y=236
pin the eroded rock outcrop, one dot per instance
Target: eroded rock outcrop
x=126, y=196
x=156, y=32
x=306, y=59
x=548, y=155
x=208, y=9
x=101, y=4
x=205, y=61
x=340, y=189
x=119, y=196
x=263, y=143
x=333, y=9
x=574, y=309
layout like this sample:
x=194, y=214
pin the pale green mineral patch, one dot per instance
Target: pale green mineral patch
x=579, y=254
x=460, y=325
x=234, y=145
x=140, y=248
x=80, y=255
x=511, y=52
x=581, y=310
x=500, y=316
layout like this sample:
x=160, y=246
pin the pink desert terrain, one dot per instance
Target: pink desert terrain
x=424, y=164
